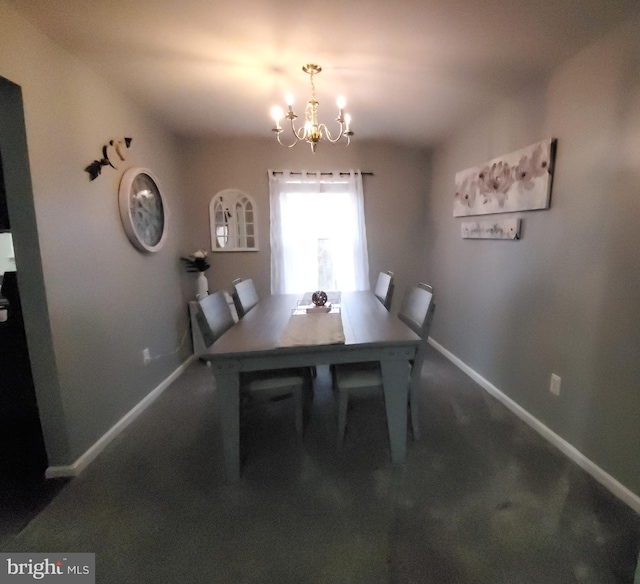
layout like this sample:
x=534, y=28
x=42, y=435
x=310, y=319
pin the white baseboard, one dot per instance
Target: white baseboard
x=604, y=478
x=73, y=470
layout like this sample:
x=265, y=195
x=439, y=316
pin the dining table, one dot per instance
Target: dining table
x=259, y=341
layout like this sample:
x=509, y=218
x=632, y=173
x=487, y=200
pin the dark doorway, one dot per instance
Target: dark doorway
x=22, y=452
x=4, y=210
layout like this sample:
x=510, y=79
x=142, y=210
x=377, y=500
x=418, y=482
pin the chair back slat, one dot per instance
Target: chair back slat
x=417, y=312
x=384, y=288
x=414, y=311
x=245, y=295
x=424, y=335
x=214, y=317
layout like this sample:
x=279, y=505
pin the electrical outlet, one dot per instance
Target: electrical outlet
x=146, y=356
x=554, y=386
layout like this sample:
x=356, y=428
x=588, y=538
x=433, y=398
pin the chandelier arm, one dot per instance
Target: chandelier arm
x=287, y=145
x=299, y=133
x=331, y=139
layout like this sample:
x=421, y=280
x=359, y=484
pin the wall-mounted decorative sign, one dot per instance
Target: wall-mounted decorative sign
x=113, y=155
x=504, y=229
x=520, y=181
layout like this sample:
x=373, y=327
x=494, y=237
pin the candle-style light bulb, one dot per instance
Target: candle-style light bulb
x=277, y=114
x=347, y=121
x=341, y=102
x=289, y=100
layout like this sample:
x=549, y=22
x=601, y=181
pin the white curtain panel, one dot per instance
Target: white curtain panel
x=307, y=207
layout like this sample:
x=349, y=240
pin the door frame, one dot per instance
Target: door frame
x=31, y=281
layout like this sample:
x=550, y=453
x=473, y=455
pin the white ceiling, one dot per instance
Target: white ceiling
x=410, y=70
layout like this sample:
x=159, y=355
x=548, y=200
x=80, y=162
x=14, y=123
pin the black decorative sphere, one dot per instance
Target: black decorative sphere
x=319, y=298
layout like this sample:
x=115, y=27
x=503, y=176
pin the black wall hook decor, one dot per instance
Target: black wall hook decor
x=113, y=154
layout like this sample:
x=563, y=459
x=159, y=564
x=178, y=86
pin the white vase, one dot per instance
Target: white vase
x=203, y=286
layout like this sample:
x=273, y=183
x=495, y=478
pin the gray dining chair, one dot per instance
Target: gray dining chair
x=244, y=295
x=210, y=318
x=384, y=289
x=416, y=312
x=214, y=317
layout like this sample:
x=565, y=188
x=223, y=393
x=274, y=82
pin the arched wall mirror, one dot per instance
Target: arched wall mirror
x=232, y=217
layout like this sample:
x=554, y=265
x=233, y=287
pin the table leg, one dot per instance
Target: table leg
x=396, y=388
x=228, y=386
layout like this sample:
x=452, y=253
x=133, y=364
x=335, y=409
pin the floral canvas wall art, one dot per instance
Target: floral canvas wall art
x=505, y=229
x=519, y=181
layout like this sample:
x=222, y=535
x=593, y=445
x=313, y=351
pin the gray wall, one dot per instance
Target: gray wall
x=106, y=301
x=565, y=298
x=394, y=199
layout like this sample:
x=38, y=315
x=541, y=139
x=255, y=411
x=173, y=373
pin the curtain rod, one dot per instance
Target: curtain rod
x=341, y=173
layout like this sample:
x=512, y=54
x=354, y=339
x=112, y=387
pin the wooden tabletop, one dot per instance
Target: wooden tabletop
x=365, y=321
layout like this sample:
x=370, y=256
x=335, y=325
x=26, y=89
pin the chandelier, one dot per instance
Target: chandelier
x=312, y=132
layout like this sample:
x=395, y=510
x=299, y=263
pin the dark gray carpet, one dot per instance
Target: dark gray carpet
x=481, y=499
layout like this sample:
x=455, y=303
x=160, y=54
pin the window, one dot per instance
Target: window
x=232, y=217
x=318, y=234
